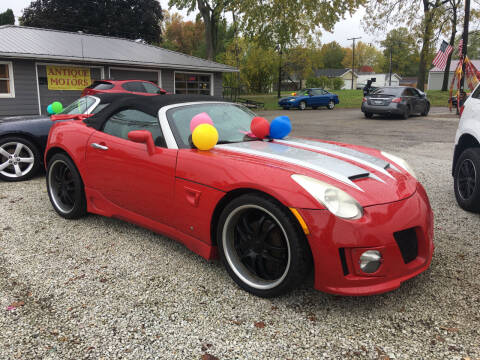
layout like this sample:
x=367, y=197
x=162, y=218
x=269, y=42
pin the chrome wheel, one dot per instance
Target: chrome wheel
x=302, y=105
x=331, y=104
x=61, y=186
x=16, y=160
x=256, y=247
x=467, y=176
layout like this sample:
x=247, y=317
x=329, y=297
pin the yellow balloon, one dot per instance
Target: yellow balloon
x=205, y=137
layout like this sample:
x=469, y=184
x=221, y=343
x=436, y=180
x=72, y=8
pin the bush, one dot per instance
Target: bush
x=337, y=83
x=313, y=82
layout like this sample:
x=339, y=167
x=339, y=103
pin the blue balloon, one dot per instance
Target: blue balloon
x=50, y=110
x=280, y=127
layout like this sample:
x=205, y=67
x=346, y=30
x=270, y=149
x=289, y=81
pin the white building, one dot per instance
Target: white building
x=435, y=76
x=380, y=80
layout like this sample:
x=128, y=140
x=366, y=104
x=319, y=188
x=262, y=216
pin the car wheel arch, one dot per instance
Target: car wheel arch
x=56, y=150
x=465, y=142
x=233, y=194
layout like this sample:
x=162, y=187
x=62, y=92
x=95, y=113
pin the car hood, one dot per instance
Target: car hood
x=29, y=118
x=288, y=98
x=362, y=172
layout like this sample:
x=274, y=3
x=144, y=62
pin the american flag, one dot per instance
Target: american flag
x=460, y=48
x=441, y=58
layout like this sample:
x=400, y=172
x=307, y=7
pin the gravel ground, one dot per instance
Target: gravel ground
x=100, y=288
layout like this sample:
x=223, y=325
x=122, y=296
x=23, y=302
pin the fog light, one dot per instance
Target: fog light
x=370, y=261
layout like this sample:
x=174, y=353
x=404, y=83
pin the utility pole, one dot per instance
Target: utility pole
x=390, y=67
x=465, y=42
x=280, y=72
x=353, y=56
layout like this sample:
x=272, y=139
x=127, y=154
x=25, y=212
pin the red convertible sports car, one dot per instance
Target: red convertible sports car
x=272, y=210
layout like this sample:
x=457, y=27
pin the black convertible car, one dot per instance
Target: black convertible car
x=396, y=100
x=23, y=138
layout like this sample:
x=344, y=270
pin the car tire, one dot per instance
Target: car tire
x=314, y=107
x=406, y=113
x=302, y=105
x=262, y=246
x=65, y=187
x=466, y=180
x=20, y=159
x=427, y=110
x=286, y=108
x=331, y=105
x=368, y=115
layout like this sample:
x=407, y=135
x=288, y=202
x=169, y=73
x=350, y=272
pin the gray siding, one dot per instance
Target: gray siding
x=435, y=80
x=66, y=97
x=167, y=80
x=116, y=74
x=25, y=101
x=218, y=84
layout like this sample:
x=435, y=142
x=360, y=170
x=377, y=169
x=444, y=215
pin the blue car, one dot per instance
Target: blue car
x=313, y=98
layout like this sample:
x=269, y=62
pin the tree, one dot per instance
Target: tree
x=332, y=55
x=131, y=19
x=365, y=55
x=404, y=50
x=7, y=18
x=451, y=15
x=381, y=13
x=183, y=36
x=211, y=12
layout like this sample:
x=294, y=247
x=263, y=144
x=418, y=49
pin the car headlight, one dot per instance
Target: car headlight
x=291, y=100
x=337, y=201
x=402, y=163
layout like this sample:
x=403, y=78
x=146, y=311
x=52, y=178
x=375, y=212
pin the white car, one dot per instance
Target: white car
x=466, y=158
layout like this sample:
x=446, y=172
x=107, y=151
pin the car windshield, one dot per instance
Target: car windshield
x=387, y=91
x=79, y=106
x=303, y=92
x=232, y=122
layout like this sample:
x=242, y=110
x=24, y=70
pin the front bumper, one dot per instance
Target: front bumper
x=390, y=109
x=288, y=104
x=336, y=245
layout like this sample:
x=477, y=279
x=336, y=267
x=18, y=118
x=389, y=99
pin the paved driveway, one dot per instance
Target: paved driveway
x=100, y=288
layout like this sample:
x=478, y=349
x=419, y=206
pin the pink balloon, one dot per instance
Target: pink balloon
x=202, y=118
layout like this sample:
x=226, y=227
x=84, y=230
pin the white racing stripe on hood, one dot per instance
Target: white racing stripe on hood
x=337, y=169
x=362, y=158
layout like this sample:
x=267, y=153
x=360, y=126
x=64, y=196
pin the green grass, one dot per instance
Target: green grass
x=348, y=98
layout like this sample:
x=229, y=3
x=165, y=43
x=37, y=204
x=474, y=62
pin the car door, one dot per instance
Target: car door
x=420, y=101
x=125, y=173
x=317, y=97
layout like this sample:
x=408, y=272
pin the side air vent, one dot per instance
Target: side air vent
x=407, y=243
x=343, y=260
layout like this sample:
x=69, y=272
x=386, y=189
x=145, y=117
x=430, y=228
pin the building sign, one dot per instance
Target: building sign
x=68, y=78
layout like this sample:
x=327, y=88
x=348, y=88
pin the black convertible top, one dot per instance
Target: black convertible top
x=147, y=104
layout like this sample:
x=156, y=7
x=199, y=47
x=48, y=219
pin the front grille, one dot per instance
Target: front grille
x=407, y=243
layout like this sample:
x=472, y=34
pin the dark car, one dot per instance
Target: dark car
x=138, y=87
x=23, y=138
x=313, y=98
x=396, y=100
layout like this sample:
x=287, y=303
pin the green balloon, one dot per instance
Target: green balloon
x=57, y=107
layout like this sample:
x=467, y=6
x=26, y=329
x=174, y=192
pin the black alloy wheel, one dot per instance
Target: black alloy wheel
x=426, y=110
x=65, y=187
x=406, y=113
x=261, y=246
x=368, y=115
x=467, y=180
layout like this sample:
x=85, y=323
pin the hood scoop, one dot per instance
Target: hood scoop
x=335, y=168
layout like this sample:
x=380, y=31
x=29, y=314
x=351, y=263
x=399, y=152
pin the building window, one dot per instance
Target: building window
x=6, y=80
x=189, y=83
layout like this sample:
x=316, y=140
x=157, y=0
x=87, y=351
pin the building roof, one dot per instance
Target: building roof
x=27, y=42
x=382, y=75
x=454, y=64
x=331, y=72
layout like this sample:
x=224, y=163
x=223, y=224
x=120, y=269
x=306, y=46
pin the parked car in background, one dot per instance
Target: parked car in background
x=139, y=87
x=313, y=98
x=271, y=210
x=466, y=156
x=395, y=100
x=23, y=138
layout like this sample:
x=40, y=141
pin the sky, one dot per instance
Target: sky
x=345, y=29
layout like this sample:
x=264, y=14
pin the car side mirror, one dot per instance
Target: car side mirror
x=144, y=137
x=161, y=92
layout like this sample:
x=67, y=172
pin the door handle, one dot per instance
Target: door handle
x=98, y=146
